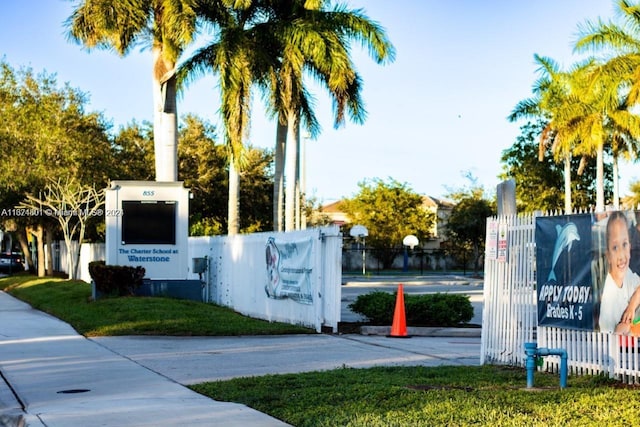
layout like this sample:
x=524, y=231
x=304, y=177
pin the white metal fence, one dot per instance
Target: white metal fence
x=510, y=314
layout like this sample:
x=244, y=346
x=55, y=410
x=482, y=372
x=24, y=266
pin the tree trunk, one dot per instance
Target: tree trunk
x=39, y=234
x=278, y=177
x=165, y=121
x=616, y=183
x=26, y=250
x=298, y=190
x=600, y=179
x=48, y=240
x=302, y=173
x=233, y=222
x=567, y=185
x=291, y=155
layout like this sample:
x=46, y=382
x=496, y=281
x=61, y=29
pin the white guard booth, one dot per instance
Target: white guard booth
x=147, y=224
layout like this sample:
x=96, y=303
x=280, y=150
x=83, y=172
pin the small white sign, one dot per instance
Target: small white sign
x=502, y=242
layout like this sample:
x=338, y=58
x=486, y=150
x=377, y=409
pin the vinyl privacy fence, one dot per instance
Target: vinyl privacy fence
x=510, y=312
x=238, y=272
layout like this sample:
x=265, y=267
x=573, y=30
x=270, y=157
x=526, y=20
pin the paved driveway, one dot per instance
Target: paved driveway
x=431, y=284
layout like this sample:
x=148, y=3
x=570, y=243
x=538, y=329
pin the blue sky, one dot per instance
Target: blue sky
x=436, y=112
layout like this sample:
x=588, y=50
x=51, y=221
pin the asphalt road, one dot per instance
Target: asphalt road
x=430, y=284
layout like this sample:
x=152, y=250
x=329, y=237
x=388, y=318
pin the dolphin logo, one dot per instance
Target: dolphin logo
x=566, y=236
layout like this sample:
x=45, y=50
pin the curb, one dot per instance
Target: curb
x=417, y=331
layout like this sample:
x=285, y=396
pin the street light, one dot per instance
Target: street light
x=360, y=232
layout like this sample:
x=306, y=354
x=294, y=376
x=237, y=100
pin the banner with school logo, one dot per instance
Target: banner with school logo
x=289, y=269
x=565, y=293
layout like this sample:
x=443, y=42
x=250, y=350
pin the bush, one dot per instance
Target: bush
x=115, y=280
x=436, y=310
x=377, y=306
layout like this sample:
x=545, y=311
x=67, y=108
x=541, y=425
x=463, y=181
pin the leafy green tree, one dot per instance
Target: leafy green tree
x=204, y=169
x=467, y=226
x=600, y=119
x=169, y=26
x=390, y=211
x=537, y=181
x=133, y=152
x=256, y=197
x=46, y=133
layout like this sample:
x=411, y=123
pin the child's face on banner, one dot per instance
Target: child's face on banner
x=618, y=250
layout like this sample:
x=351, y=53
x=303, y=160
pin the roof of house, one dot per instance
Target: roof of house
x=427, y=201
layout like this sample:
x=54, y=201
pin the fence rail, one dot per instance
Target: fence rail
x=510, y=315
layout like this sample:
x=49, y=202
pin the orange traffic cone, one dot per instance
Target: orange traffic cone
x=399, y=326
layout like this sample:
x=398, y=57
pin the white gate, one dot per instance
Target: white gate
x=510, y=313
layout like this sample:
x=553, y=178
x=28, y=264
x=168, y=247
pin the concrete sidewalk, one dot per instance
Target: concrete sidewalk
x=55, y=377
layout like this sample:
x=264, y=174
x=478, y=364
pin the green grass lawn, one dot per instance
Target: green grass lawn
x=71, y=302
x=384, y=396
x=432, y=396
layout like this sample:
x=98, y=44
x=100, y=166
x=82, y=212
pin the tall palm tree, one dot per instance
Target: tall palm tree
x=599, y=116
x=233, y=55
x=313, y=39
x=620, y=42
x=271, y=43
x=168, y=26
x=551, y=95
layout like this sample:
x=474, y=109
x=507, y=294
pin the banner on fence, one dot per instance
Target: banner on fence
x=289, y=267
x=587, y=271
x=563, y=267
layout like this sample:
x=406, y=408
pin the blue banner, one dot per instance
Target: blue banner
x=565, y=291
x=588, y=270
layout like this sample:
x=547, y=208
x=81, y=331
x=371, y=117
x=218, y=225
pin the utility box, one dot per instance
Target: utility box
x=147, y=225
x=199, y=265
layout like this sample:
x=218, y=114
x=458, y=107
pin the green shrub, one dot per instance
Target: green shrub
x=115, y=280
x=377, y=306
x=437, y=310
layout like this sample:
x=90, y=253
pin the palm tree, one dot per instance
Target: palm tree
x=551, y=96
x=599, y=115
x=621, y=44
x=123, y=25
x=271, y=43
x=234, y=55
x=308, y=37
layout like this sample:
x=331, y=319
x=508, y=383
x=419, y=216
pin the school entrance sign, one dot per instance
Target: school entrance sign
x=147, y=224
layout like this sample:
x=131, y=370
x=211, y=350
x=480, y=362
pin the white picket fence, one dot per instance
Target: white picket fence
x=510, y=316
